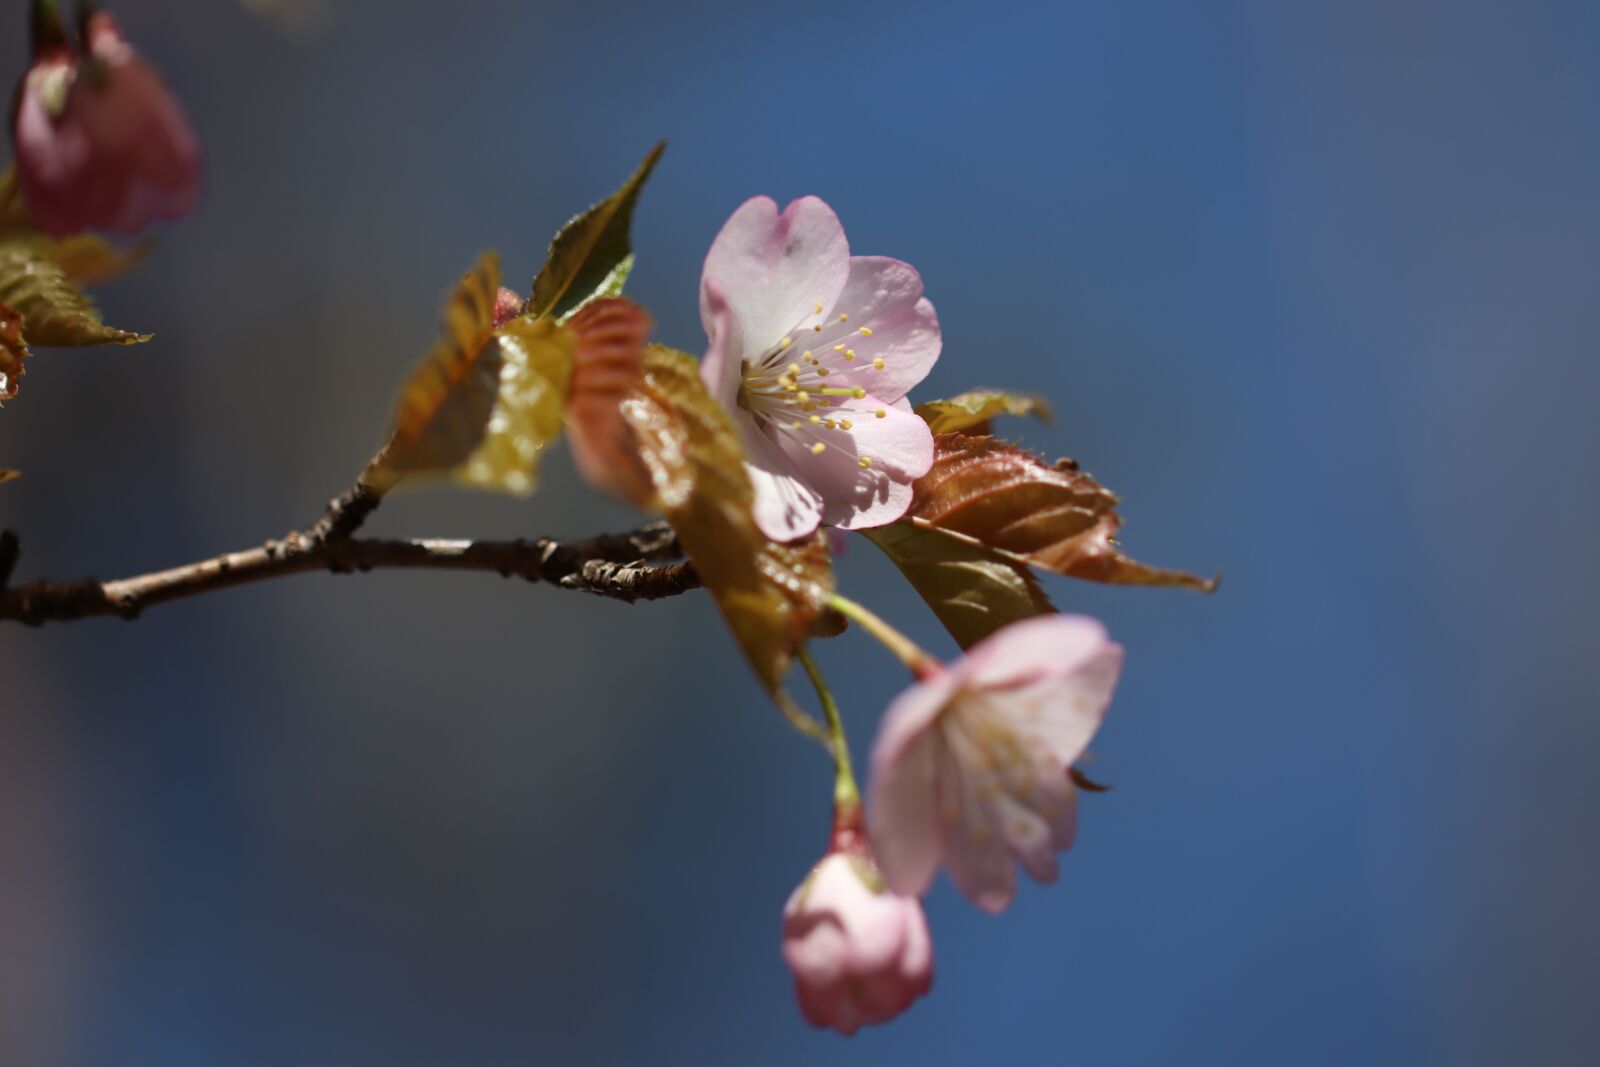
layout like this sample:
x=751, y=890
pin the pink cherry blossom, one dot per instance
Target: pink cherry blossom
x=814, y=351
x=971, y=763
x=860, y=953
x=101, y=143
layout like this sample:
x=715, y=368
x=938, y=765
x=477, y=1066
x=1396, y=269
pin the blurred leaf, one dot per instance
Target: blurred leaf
x=13, y=212
x=972, y=411
x=769, y=594
x=591, y=256
x=971, y=591
x=13, y=350
x=55, y=313
x=607, y=359
x=1007, y=500
x=89, y=259
x=8, y=475
x=483, y=403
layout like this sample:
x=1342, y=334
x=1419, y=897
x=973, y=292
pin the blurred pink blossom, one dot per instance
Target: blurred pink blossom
x=971, y=765
x=814, y=350
x=100, y=141
x=860, y=953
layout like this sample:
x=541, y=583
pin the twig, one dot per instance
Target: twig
x=611, y=565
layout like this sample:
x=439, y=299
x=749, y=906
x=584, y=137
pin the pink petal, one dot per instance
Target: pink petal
x=776, y=268
x=785, y=507
x=979, y=861
x=720, y=367
x=885, y=295
x=899, y=446
x=903, y=799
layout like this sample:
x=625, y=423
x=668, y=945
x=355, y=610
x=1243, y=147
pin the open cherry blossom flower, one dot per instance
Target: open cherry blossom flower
x=100, y=143
x=814, y=350
x=971, y=764
x=860, y=953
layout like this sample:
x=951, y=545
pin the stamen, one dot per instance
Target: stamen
x=786, y=342
x=794, y=368
x=880, y=413
x=818, y=311
x=838, y=348
x=877, y=364
x=843, y=317
x=849, y=353
x=822, y=372
x=859, y=393
x=818, y=449
x=845, y=424
x=816, y=420
x=866, y=331
x=864, y=462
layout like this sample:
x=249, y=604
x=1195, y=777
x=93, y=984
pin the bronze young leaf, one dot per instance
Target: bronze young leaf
x=485, y=402
x=591, y=256
x=1009, y=501
x=769, y=594
x=13, y=351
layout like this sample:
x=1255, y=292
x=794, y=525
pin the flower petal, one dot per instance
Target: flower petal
x=899, y=447
x=720, y=367
x=776, y=268
x=885, y=296
x=979, y=861
x=903, y=799
x=785, y=507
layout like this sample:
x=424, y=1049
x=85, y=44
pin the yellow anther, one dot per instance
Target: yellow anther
x=796, y=425
x=806, y=354
x=806, y=405
x=864, y=462
x=838, y=348
x=794, y=368
x=816, y=420
x=817, y=329
x=849, y=353
x=877, y=364
x=803, y=396
x=843, y=317
x=858, y=392
x=882, y=414
x=866, y=331
x=786, y=342
x=818, y=311
x=822, y=372
x=845, y=424
x=830, y=424
x=818, y=449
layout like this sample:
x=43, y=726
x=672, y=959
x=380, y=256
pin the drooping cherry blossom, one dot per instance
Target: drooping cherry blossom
x=814, y=351
x=100, y=141
x=860, y=953
x=971, y=764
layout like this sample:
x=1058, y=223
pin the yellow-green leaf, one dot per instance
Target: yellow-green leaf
x=769, y=594
x=55, y=313
x=591, y=256
x=13, y=350
x=13, y=212
x=973, y=592
x=484, y=403
x=973, y=410
x=89, y=259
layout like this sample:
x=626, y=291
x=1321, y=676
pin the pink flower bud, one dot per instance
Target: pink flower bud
x=507, y=306
x=860, y=954
x=101, y=143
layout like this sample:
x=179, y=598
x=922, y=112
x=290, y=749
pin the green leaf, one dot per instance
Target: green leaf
x=769, y=594
x=591, y=256
x=972, y=592
x=1009, y=502
x=484, y=403
x=973, y=410
x=55, y=313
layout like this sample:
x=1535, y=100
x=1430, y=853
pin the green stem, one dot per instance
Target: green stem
x=906, y=650
x=846, y=794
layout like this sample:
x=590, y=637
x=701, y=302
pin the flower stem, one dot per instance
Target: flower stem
x=846, y=794
x=907, y=651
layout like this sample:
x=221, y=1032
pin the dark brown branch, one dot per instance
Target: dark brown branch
x=611, y=565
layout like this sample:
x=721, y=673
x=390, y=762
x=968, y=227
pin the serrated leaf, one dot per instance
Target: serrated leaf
x=974, y=410
x=607, y=360
x=972, y=592
x=769, y=594
x=1008, y=501
x=13, y=351
x=591, y=256
x=484, y=403
x=55, y=313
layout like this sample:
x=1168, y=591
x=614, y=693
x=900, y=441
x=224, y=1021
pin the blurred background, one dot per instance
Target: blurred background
x=1313, y=288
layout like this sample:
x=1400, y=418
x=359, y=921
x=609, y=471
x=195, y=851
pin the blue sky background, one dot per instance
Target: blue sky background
x=1313, y=288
